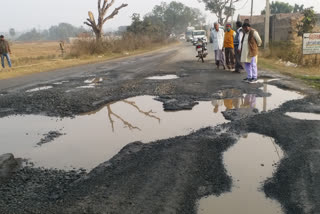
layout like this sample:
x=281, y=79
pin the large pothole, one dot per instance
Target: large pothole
x=250, y=162
x=95, y=137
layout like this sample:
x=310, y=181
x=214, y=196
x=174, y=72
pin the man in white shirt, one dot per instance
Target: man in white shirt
x=217, y=35
x=237, y=46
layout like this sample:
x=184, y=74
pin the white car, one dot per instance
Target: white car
x=199, y=34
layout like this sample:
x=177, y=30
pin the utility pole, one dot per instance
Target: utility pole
x=251, y=11
x=267, y=25
x=231, y=6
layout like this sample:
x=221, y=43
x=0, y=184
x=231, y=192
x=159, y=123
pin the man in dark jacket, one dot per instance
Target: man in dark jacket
x=4, y=51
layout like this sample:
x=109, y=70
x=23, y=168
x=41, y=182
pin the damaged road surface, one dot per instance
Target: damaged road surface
x=158, y=133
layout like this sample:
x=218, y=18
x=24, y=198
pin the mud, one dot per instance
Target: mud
x=169, y=174
x=49, y=137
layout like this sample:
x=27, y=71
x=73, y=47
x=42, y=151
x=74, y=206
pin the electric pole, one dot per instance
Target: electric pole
x=232, y=13
x=267, y=25
x=251, y=11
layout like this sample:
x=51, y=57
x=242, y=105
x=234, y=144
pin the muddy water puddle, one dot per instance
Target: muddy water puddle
x=250, y=162
x=277, y=98
x=303, y=116
x=39, y=89
x=164, y=77
x=95, y=137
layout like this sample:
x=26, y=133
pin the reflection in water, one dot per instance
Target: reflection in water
x=250, y=162
x=277, y=98
x=303, y=116
x=165, y=77
x=97, y=136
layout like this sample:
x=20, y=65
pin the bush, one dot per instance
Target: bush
x=127, y=42
x=287, y=51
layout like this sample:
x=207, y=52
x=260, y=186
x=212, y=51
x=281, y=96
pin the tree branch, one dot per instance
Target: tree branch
x=114, y=13
x=87, y=23
x=148, y=114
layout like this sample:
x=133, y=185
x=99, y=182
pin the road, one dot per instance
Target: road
x=174, y=174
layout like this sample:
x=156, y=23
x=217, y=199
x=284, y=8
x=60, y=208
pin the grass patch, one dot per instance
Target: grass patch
x=309, y=74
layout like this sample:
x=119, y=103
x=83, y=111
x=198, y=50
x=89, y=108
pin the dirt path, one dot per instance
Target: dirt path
x=168, y=175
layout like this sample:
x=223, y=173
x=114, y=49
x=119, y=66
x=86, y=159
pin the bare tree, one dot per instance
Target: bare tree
x=223, y=9
x=102, y=18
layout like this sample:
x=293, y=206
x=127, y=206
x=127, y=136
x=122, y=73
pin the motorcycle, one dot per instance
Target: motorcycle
x=202, y=50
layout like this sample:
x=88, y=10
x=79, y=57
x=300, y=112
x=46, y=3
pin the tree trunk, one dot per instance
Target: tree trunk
x=98, y=35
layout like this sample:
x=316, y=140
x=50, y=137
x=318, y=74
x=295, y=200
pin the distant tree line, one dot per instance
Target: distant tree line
x=282, y=7
x=58, y=32
x=166, y=19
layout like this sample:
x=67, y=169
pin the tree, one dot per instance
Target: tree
x=280, y=7
x=63, y=31
x=32, y=35
x=97, y=27
x=223, y=9
x=12, y=32
x=308, y=22
x=298, y=9
x=175, y=17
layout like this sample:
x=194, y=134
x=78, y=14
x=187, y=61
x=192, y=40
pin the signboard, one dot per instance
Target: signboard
x=311, y=43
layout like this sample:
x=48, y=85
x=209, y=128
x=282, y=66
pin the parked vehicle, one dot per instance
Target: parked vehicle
x=199, y=34
x=189, y=33
x=201, y=49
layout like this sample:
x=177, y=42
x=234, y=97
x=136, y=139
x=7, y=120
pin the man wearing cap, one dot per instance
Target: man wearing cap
x=228, y=45
x=4, y=51
x=249, y=52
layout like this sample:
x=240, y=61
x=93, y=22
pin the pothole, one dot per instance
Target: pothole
x=39, y=89
x=303, y=116
x=277, y=98
x=250, y=162
x=165, y=77
x=60, y=83
x=97, y=136
x=94, y=80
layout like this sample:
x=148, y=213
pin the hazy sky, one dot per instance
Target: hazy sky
x=26, y=14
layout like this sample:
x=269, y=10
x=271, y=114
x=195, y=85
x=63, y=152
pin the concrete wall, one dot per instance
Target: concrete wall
x=282, y=26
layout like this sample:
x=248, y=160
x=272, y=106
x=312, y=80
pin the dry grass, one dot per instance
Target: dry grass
x=28, y=58
x=310, y=74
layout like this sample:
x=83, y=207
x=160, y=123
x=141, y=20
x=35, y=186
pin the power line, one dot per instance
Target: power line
x=245, y=4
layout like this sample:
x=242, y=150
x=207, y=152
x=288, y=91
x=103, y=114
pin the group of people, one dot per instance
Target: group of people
x=237, y=50
x=5, y=51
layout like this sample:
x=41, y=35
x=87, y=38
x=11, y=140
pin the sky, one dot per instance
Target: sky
x=23, y=15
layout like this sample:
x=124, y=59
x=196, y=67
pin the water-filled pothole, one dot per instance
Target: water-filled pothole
x=39, y=89
x=165, y=77
x=250, y=162
x=303, y=116
x=277, y=98
x=97, y=136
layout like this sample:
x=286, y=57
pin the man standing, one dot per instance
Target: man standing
x=249, y=52
x=217, y=36
x=4, y=51
x=229, y=46
x=237, y=46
